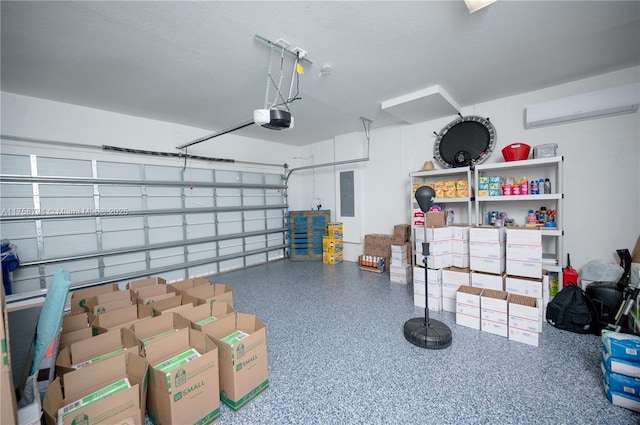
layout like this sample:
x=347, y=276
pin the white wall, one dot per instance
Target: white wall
x=601, y=169
x=35, y=118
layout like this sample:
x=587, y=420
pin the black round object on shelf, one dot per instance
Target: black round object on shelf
x=465, y=141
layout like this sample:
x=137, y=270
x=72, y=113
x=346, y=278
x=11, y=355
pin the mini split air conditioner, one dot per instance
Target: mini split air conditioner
x=612, y=101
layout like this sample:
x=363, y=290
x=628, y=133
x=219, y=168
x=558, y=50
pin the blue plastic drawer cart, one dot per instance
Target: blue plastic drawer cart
x=306, y=229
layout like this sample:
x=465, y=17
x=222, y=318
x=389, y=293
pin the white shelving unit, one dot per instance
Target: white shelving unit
x=462, y=173
x=517, y=206
x=462, y=207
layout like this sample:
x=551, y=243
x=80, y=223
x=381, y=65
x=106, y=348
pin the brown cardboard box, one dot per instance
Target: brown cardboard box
x=8, y=399
x=98, y=348
x=635, y=254
x=191, y=392
x=208, y=313
x=158, y=327
x=181, y=286
x=147, y=294
x=155, y=308
x=436, y=218
x=217, y=292
x=244, y=368
x=75, y=321
x=118, y=299
x=401, y=233
x=69, y=338
x=150, y=281
x=177, y=309
x=115, y=319
x=117, y=407
x=79, y=297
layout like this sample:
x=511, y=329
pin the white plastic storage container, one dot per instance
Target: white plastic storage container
x=544, y=151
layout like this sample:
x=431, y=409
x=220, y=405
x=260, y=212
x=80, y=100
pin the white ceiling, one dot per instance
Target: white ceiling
x=199, y=64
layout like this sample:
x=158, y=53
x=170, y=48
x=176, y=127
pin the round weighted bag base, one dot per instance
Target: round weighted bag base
x=434, y=335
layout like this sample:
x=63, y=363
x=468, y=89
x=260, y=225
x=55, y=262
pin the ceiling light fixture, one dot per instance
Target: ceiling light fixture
x=475, y=5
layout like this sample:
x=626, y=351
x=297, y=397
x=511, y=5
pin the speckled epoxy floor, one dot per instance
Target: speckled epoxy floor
x=338, y=356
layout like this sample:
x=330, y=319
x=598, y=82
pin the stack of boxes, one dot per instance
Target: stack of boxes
x=172, y=351
x=377, y=249
x=511, y=304
x=333, y=244
x=448, y=262
x=620, y=364
x=400, y=268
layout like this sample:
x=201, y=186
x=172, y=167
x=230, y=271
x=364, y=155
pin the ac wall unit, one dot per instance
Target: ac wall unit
x=600, y=103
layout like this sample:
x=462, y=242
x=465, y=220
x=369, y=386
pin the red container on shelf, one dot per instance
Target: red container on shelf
x=516, y=152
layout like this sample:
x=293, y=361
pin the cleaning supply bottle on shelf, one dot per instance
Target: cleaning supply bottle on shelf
x=524, y=186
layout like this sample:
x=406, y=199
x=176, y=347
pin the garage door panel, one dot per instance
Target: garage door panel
x=122, y=239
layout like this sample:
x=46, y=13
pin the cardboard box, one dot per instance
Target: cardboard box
x=487, y=257
x=526, y=286
x=204, y=314
x=635, y=253
x=181, y=286
x=8, y=411
x=115, y=319
x=244, y=367
x=524, y=324
x=401, y=233
x=69, y=338
x=452, y=279
x=149, y=294
x=217, y=292
x=96, y=349
x=158, y=327
x=487, y=280
x=157, y=307
x=493, y=312
x=79, y=297
x=189, y=392
x=129, y=403
x=524, y=252
x=110, y=301
x=468, y=307
x=141, y=283
x=75, y=327
x=436, y=218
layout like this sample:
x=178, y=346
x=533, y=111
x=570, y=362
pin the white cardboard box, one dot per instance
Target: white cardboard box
x=449, y=291
x=487, y=257
x=468, y=306
x=487, y=234
x=524, y=236
x=531, y=338
x=460, y=276
x=488, y=281
x=493, y=312
x=524, y=323
x=526, y=286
